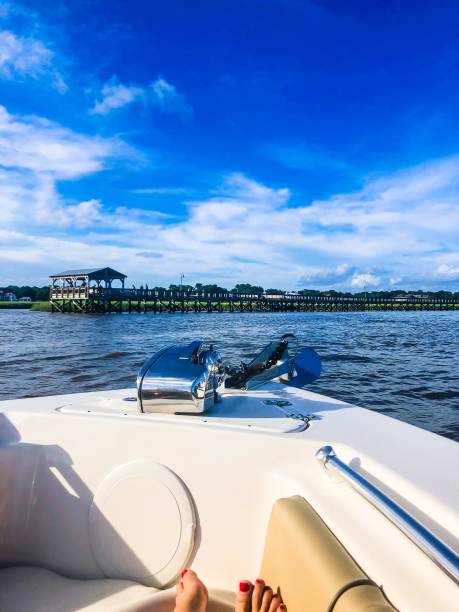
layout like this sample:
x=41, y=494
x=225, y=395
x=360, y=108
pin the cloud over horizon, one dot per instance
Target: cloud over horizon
x=398, y=229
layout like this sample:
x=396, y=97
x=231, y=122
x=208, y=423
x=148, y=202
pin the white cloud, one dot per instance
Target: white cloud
x=397, y=230
x=22, y=55
x=168, y=99
x=365, y=280
x=34, y=155
x=115, y=95
x=238, y=187
x=327, y=276
x=81, y=215
x=27, y=57
x=39, y=145
x=448, y=271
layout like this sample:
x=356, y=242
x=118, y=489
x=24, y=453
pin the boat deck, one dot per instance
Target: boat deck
x=255, y=447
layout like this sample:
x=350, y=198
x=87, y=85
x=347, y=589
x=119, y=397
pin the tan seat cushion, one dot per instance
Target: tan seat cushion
x=33, y=589
x=308, y=564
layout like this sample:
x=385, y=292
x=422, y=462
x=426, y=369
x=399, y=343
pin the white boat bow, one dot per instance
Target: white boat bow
x=95, y=490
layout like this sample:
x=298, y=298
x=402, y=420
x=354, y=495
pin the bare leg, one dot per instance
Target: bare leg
x=191, y=594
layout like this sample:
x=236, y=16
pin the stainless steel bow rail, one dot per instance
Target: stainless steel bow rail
x=437, y=550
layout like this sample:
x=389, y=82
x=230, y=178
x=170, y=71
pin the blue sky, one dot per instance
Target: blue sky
x=280, y=142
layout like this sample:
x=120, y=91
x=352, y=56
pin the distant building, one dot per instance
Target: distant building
x=7, y=296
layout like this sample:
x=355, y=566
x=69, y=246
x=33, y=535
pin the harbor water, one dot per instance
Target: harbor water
x=404, y=364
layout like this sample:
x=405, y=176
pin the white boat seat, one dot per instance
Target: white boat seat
x=34, y=589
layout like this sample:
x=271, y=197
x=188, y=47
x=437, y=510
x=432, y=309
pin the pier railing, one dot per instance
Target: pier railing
x=58, y=293
x=102, y=299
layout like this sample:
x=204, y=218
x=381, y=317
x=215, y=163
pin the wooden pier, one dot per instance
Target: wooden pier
x=108, y=300
x=91, y=291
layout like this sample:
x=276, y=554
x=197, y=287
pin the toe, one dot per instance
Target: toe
x=276, y=603
x=257, y=594
x=194, y=580
x=189, y=576
x=244, y=597
x=266, y=599
x=191, y=594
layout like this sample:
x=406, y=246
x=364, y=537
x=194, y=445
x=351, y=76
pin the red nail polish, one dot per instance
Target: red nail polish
x=258, y=581
x=244, y=586
x=183, y=572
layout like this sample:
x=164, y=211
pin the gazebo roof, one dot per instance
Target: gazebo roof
x=90, y=273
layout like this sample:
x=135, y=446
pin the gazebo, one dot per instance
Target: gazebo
x=79, y=284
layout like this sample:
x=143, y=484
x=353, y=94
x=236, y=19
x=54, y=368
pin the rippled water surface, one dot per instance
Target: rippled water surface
x=402, y=364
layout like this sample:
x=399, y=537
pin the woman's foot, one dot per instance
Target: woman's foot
x=191, y=594
x=257, y=598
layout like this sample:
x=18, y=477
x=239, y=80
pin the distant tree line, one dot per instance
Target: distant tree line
x=240, y=288
x=382, y=294
x=257, y=290
x=42, y=293
x=37, y=294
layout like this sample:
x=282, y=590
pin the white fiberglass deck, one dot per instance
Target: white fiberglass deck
x=235, y=461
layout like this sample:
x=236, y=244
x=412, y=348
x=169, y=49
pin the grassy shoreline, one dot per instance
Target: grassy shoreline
x=44, y=306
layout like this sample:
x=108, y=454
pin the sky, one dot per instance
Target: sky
x=287, y=143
